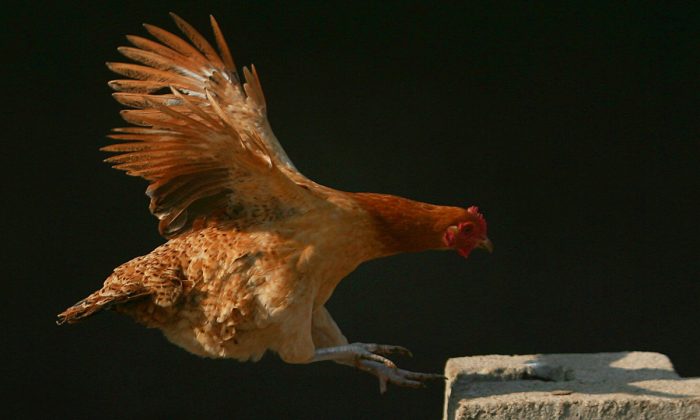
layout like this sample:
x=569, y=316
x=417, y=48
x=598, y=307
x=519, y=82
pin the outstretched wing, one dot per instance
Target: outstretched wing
x=201, y=137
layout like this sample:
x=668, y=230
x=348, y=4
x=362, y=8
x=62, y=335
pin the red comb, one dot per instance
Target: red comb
x=475, y=210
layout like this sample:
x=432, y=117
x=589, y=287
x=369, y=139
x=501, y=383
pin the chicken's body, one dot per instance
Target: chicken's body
x=255, y=249
x=224, y=292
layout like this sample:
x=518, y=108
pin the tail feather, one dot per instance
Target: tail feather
x=97, y=301
x=135, y=279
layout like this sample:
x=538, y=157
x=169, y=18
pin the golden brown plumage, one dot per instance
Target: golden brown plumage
x=254, y=249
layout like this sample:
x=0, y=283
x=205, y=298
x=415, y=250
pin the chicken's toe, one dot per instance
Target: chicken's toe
x=385, y=349
x=357, y=351
x=396, y=376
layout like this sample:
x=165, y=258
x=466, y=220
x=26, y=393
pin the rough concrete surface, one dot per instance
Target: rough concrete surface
x=626, y=385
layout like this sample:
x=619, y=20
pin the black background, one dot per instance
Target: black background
x=574, y=128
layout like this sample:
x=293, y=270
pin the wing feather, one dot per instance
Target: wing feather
x=137, y=86
x=199, y=41
x=158, y=61
x=252, y=86
x=221, y=44
x=175, y=42
x=205, y=144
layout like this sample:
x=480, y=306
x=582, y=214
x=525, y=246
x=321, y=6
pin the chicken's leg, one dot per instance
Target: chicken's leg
x=332, y=345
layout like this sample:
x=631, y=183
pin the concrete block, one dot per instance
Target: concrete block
x=627, y=385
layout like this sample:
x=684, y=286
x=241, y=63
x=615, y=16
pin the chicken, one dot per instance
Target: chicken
x=254, y=249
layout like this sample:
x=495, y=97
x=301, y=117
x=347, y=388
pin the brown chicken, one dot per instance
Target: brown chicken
x=254, y=249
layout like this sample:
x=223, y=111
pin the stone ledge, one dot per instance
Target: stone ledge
x=627, y=385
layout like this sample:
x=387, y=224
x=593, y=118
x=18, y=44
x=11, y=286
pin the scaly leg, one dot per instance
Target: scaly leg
x=332, y=345
x=360, y=351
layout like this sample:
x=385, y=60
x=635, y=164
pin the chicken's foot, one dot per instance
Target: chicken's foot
x=371, y=358
x=395, y=375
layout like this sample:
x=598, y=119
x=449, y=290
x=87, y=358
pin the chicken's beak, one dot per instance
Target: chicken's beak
x=486, y=244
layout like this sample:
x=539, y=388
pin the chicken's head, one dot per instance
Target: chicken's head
x=468, y=234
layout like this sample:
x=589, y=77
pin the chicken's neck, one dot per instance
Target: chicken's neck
x=404, y=225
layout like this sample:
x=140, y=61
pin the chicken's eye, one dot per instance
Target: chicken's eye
x=467, y=228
